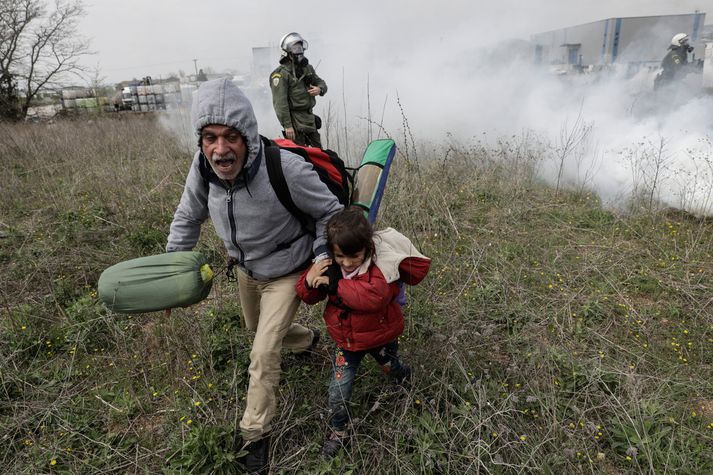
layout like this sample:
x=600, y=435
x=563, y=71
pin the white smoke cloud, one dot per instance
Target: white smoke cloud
x=458, y=77
x=637, y=139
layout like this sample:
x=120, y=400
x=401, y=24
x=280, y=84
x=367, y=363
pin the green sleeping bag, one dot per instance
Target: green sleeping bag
x=147, y=284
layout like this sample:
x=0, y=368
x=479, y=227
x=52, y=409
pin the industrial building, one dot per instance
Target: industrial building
x=265, y=59
x=632, y=41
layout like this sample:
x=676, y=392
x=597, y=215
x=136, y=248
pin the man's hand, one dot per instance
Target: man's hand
x=314, y=277
x=334, y=274
x=290, y=133
x=314, y=90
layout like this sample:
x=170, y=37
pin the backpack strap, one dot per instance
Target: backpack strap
x=273, y=163
x=203, y=168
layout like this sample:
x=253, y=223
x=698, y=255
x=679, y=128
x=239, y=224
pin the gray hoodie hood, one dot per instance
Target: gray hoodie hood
x=265, y=238
x=220, y=102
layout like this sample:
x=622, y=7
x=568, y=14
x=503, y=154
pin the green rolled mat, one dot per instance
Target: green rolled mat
x=371, y=176
x=147, y=284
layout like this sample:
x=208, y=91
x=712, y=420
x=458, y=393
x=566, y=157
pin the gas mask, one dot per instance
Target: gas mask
x=296, y=50
x=685, y=46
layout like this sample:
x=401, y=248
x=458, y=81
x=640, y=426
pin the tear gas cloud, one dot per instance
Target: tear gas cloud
x=625, y=139
x=455, y=75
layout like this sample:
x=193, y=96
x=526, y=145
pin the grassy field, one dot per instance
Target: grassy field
x=552, y=336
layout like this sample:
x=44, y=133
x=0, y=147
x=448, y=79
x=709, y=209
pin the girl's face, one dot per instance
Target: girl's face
x=349, y=262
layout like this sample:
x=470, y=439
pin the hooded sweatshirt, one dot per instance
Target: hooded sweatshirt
x=265, y=239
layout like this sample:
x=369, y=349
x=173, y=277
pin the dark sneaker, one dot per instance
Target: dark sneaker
x=334, y=443
x=404, y=378
x=315, y=339
x=257, y=459
x=310, y=349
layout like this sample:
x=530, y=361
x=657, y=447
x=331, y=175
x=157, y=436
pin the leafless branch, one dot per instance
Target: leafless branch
x=39, y=49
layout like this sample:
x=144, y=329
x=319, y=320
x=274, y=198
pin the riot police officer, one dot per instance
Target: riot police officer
x=674, y=63
x=294, y=86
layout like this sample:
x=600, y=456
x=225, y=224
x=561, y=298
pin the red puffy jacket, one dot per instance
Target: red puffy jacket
x=364, y=313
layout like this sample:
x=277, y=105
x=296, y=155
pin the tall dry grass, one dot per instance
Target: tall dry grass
x=552, y=336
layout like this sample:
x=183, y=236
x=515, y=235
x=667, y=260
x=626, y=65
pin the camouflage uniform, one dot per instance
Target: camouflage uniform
x=293, y=104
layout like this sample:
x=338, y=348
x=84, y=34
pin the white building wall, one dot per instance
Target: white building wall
x=620, y=40
x=708, y=67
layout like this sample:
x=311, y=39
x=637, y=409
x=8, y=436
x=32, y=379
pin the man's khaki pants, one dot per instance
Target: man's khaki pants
x=268, y=308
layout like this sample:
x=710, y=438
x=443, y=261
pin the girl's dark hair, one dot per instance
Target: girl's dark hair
x=350, y=230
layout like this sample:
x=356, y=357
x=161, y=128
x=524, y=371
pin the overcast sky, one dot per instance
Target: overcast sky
x=135, y=38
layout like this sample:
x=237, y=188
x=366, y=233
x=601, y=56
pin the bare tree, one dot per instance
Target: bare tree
x=571, y=139
x=39, y=49
x=657, y=157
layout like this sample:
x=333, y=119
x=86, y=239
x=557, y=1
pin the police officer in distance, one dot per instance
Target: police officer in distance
x=294, y=85
x=673, y=65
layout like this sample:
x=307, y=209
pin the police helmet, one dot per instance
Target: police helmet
x=290, y=43
x=679, y=39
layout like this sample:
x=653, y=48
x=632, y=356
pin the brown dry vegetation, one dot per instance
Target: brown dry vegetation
x=552, y=336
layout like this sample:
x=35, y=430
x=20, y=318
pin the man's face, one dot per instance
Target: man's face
x=225, y=149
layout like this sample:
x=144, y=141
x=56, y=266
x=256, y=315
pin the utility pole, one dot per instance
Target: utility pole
x=195, y=65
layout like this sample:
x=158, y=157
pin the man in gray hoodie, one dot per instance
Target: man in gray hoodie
x=267, y=242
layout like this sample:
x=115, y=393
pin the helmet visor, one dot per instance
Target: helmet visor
x=296, y=48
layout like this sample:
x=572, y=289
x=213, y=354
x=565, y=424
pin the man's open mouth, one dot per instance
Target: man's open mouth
x=224, y=162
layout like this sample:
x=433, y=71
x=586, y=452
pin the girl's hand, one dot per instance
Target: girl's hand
x=314, y=276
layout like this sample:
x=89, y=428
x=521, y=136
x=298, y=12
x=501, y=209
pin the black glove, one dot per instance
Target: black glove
x=334, y=272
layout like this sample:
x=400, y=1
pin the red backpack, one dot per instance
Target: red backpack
x=327, y=164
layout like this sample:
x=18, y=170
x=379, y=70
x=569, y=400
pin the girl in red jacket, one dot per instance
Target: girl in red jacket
x=362, y=315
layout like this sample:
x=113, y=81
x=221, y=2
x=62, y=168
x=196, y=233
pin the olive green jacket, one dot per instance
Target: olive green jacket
x=290, y=99
x=674, y=62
